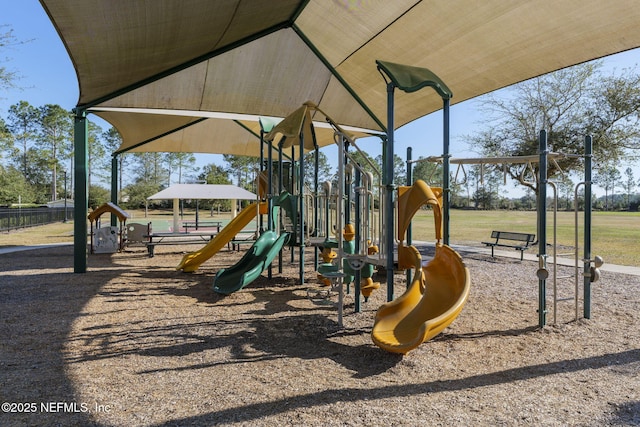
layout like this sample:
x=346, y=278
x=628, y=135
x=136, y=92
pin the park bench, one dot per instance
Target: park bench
x=510, y=239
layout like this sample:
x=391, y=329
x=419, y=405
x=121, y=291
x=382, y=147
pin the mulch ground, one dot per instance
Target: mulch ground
x=135, y=342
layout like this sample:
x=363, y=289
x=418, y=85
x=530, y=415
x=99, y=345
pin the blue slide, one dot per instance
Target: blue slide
x=251, y=265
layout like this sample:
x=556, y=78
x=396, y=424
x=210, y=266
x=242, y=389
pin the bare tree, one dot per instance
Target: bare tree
x=568, y=104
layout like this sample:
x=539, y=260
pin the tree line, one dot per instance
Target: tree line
x=36, y=146
x=36, y=166
x=36, y=162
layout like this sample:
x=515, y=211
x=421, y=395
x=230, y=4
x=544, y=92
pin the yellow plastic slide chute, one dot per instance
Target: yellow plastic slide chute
x=191, y=261
x=438, y=291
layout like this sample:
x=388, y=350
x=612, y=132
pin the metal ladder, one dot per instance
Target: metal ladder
x=577, y=275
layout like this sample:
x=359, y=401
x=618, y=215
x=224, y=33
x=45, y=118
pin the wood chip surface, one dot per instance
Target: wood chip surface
x=133, y=342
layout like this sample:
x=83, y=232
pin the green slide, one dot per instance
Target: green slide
x=251, y=265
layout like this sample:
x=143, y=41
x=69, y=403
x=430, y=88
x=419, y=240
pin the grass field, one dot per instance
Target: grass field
x=615, y=234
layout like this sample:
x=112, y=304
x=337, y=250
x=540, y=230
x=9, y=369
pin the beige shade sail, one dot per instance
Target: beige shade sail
x=267, y=58
x=218, y=133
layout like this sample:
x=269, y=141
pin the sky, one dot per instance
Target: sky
x=48, y=77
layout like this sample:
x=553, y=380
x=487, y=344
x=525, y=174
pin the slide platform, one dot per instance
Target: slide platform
x=192, y=261
x=251, y=265
x=437, y=293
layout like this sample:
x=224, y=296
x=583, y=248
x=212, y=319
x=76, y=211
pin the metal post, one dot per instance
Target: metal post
x=388, y=179
x=446, y=191
x=65, y=196
x=293, y=182
x=316, y=207
x=267, y=126
x=114, y=187
x=339, y=228
x=279, y=192
x=260, y=169
x=542, y=226
x=588, y=147
x=409, y=182
x=270, y=218
x=301, y=204
x=358, y=275
x=198, y=212
x=347, y=181
x=81, y=195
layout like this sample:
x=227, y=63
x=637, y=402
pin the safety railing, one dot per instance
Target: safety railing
x=16, y=218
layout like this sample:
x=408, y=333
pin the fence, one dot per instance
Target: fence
x=12, y=219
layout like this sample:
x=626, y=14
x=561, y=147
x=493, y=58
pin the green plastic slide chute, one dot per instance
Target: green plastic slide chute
x=251, y=265
x=259, y=257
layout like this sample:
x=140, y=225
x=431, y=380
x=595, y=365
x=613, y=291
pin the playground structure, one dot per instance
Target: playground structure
x=340, y=269
x=548, y=263
x=437, y=292
x=111, y=238
x=411, y=79
x=432, y=296
x=320, y=217
x=349, y=222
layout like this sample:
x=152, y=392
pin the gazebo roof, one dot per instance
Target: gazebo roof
x=203, y=191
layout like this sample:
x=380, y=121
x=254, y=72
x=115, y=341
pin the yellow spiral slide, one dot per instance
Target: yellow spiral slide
x=438, y=291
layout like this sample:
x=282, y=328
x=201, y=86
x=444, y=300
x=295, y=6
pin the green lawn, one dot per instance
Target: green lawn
x=616, y=235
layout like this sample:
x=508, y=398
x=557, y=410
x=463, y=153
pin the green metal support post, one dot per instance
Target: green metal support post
x=261, y=169
x=542, y=226
x=409, y=183
x=388, y=182
x=81, y=193
x=265, y=127
x=316, y=208
x=280, y=188
x=295, y=168
x=358, y=273
x=588, y=149
x=114, y=187
x=301, y=208
x=446, y=191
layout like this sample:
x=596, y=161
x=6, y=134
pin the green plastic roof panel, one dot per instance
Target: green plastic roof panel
x=411, y=79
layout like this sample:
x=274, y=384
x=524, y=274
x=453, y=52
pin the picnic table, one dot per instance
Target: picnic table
x=201, y=224
x=169, y=238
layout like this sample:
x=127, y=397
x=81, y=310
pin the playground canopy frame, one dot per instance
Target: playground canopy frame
x=542, y=181
x=229, y=56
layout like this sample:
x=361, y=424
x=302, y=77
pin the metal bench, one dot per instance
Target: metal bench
x=524, y=241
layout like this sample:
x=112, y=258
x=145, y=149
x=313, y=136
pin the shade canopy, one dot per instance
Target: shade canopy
x=218, y=133
x=203, y=191
x=266, y=58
